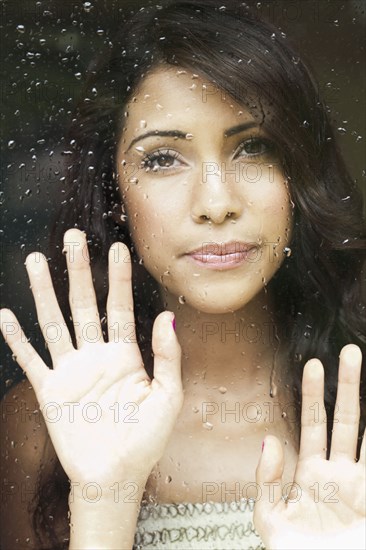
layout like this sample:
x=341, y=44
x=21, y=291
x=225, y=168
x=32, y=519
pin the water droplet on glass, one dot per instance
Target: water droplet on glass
x=143, y=124
x=207, y=425
x=11, y=144
x=77, y=75
x=20, y=28
x=182, y=299
x=87, y=6
x=273, y=36
x=305, y=124
x=222, y=389
x=189, y=136
x=287, y=251
x=159, y=107
x=273, y=390
x=195, y=409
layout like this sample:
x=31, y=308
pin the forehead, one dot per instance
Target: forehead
x=170, y=92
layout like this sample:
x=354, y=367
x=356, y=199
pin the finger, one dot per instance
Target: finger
x=82, y=299
x=121, y=319
x=167, y=353
x=313, y=416
x=49, y=315
x=269, y=476
x=24, y=353
x=347, y=408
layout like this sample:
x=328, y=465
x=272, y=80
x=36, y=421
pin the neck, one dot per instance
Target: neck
x=233, y=351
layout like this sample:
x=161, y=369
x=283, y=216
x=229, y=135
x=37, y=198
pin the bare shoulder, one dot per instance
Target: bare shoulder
x=25, y=449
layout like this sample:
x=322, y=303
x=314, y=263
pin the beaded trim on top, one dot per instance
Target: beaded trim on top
x=214, y=525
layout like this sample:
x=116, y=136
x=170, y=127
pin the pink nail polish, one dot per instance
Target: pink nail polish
x=173, y=323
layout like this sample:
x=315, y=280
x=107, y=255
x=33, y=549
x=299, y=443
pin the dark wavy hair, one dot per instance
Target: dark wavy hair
x=317, y=290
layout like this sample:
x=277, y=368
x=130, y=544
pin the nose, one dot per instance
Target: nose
x=215, y=198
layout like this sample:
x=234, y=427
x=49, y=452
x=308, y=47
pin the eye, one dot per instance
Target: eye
x=254, y=147
x=162, y=161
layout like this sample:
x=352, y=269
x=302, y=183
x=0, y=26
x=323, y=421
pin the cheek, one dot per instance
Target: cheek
x=273, y=204
x=150, y=222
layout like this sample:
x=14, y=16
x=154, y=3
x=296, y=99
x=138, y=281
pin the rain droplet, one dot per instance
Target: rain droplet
x=342, y=130
x=189, y=136
x=222, y=389
x=207, y=425
x=20, y=28
x=273, y=36
x=346, y=198
x=87, y=6
x=159, y=107
x=273, y=390
x=287, y=251
x=143, y=124
x=11, y=144
x=181, y=299
x=77, y=75
x=168, y=479
x=305, y=124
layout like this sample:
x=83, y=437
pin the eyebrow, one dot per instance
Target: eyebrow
x=240, y=128
x=161, y=133
x=183, y=135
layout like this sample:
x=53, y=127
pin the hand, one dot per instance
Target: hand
x=326, y=505
x=107, y=420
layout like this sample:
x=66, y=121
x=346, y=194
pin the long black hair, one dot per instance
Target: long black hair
x=317, y=290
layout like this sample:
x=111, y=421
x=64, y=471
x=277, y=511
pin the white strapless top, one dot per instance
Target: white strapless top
x=212, y=525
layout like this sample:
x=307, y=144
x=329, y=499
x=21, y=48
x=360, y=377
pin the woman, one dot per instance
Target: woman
x=201, y=145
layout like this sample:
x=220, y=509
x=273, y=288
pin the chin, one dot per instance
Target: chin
x=221, y=302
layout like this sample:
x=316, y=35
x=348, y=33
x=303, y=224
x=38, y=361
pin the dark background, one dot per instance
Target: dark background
x=46, y=49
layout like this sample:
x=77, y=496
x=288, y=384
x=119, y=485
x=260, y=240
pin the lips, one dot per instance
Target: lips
x=223, y=255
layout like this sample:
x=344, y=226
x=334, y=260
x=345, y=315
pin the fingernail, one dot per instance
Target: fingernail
x=173, y=323
x=262, y=446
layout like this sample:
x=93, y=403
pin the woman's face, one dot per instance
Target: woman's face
x=207, y=203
